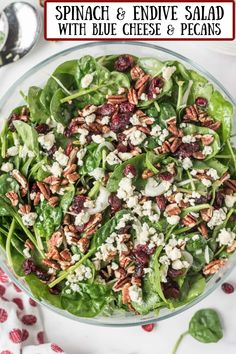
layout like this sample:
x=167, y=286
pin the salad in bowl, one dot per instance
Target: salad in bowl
x=118, y=186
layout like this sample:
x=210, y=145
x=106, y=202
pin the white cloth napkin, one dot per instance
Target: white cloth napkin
x=21, y=327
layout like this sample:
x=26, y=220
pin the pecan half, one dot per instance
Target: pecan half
x=83, y=244
x=44, y=189
x=55, y=240
x=206, y=214
x=24, y=209
x=136, y=72
x=51, y=264
x=37, y=198
x=87, y=110
x=21, y=180
x=52, y=180
x=92, y=224
x=143, y=118
x=132, y=96
x=13, y=196
x=189, y=220
x=73, y=177
x=214, y=266
x=65, y=255
x=175, y=144
x=199, y=155
x=125, y=261
x=70, y=169
x=136, y=281
x=142, y=81
x=117, y=99
x=125, y=294
x=120, y=283
x=191, y=114
x=53, y=201
x=207, y=139
x=203, y=230
x=73, y=156
x=172, y=209
x=231, y=247
x=230, y=183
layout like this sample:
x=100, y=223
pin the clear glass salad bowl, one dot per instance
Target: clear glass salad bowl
x=38, y=75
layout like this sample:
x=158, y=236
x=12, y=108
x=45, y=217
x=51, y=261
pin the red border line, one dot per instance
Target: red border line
x=142, y=38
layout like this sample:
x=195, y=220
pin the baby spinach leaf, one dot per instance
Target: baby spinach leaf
x=205, y=326
x=48, y=221
x=166, y=111
x=41, y=291
x=38, y=113
x=151, y=66
x=222, y=110
x=89, y=301
x=28, y=135
x=139, y=163
x=60, y=112
x=7, y=183
x=67, y=198
x=200, y=87
x=193, y=286
x=212, y=163
x=151, y=160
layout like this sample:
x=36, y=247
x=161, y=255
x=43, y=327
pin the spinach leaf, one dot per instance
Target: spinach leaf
x=89, y=301
x=193, y=286
x=67, y=199
x=205, y=326
x=200, y=87
x=48, y=221
x=38, y=113
x=212, y=163
x=92, y=159
x=151, y=66
x=166, y=111
x=28, y=135
x=139, y=163
x=41, y=291
x=60, y=112
x=151, y=160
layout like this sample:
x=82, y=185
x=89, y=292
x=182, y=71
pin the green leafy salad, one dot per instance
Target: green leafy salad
x=118, y=186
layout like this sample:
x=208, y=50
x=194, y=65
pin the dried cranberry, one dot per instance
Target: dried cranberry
x=53, y=149
x=201, y=102
x=139, y=272
x=67, y=132
x=115, y=203
x=227, y=288
x=42, y=128
x=71, y=129
x=187, y=150
x=107, y=109
x=155, y=85
x=123, y=63
x=54, y=291
x=12, y=118
x=124, y=230
x=29, y=266
x=78, y=204
x=165, y=176
x=126, y=107
x=145, y=248
x=174, y=273
x=141, y=257
x=130, y=170
x=121, y=137
x=42, y=275
x=148, y=327
x=201, y=200
x=219, y=200
x=122, y=148
x=161, y=202
x=119, y=122
x=171, y=290
x=34, y=188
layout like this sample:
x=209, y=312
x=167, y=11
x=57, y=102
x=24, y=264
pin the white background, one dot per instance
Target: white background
x=225, y=23
x=78, y=338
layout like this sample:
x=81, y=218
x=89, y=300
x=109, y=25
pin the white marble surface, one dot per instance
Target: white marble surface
x=78, y=338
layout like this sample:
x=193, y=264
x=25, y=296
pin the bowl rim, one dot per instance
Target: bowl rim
x=98, y=321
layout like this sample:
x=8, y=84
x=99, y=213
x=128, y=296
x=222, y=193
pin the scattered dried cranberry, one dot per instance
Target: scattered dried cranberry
x=161, y=202
x=42, y=275
x=42, y=128
x=29, y=266
x=171, y=292
x=54, y=291
x=126, y=107
x=155, y=85
x=145, y=248
x=78, y=204
x=165, y=176
x=148, y=327
x=174, y=273
x=122, y=148
x=201, y=102
x=115, y=203
x=187, y=150
x=139, y=272
x=106, y=109
x=219, y=200
x=12, y=118
x=227, y=288
x=119, y=122
x=123, y=63
x=141, y=257
x=53, y=149
x=201, y=200
x=130, y=170
x=121, y=137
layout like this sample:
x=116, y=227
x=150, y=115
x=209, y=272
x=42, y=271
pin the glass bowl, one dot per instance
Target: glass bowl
x=38, y=75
